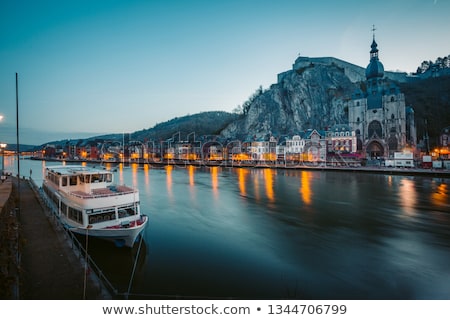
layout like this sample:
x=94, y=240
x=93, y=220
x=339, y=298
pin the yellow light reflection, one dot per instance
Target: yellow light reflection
x=241, y=179
x=389, y=181
x=121, y=173
x=305, y=188
x=191, y=175
x=441, y=196
x=147, y=176
x=169, y=179
x=134, y=173
x=256, y=186
x=268, y=179
x=108, y=166
x=408, y=196
x=191, y=172
x=215, y=180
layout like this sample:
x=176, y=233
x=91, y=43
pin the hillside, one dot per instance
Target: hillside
x=430, y=99
x=204, y=123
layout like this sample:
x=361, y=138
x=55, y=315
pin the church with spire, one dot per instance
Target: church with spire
x=378, y=115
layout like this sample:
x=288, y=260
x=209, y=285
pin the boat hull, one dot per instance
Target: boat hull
x=120, y=236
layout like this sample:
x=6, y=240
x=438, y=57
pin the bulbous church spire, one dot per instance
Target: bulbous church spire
x=375, y=69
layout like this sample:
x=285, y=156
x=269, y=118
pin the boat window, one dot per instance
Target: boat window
x=75, y=215
x=64, y=181
x=63, y=208
x=73, y=180
x=108, y=177
x=85, y=178
x=100, y=217
x=96, y=178
x=126, y=212
x=53, y=178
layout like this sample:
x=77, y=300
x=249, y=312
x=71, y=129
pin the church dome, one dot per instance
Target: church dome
x=375, y=69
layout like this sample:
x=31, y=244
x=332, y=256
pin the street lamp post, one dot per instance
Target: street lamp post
x=3, y=146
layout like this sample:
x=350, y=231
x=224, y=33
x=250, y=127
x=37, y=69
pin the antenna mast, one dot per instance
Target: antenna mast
x=17, y=141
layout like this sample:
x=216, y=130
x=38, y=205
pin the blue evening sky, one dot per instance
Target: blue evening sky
x=89, y=67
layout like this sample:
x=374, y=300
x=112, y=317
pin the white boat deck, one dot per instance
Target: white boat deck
x=103, y=192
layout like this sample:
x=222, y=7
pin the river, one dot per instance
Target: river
x=281, y=234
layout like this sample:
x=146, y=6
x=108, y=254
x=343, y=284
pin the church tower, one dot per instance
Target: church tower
x=377, y=113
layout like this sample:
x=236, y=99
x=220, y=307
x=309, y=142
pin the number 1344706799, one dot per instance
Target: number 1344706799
x=307, y=309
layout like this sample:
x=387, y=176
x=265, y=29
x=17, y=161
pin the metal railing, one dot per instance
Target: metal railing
x=75, y=244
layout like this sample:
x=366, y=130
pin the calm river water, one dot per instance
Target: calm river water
x=282, y=234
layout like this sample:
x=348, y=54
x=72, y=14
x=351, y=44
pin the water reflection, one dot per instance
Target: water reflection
x=407, y=195
x=305, y=187
x=389, y=181
x=169, y=170
x=147, y=177
x=215, y=181
x=268, y=181
x=134, y=173
x=242, y=174
x=441, y=195
x=191, y=170
x=256, y=185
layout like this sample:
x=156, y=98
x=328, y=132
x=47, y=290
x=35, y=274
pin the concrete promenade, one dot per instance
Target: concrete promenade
x=49, y=267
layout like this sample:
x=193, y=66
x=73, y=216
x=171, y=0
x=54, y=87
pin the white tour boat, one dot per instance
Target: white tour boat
x=88, y=203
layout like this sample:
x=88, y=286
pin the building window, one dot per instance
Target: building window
x=375, y=128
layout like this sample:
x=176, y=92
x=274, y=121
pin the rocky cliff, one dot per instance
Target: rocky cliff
x=313, y=96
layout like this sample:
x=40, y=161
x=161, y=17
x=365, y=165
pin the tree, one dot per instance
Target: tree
x=440, y=63
x=238, y=110
x=251, y=99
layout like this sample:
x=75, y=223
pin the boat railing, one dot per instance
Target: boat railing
x=103, y=192
x=76, y=245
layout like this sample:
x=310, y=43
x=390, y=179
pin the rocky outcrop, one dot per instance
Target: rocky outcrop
x=313, y=96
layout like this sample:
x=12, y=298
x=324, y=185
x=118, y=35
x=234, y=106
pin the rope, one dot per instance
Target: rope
x=134, y=267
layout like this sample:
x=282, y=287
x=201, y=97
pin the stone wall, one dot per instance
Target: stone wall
x=353, y=72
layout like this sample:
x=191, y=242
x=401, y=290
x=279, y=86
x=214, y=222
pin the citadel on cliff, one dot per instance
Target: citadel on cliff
x=355, y=110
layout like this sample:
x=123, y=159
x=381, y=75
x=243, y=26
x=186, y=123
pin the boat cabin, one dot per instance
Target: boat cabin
x=79, y=178
x=87, y=202
x=87, y=195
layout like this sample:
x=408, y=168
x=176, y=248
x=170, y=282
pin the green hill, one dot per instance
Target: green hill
x=430, y=99
x=204, y=123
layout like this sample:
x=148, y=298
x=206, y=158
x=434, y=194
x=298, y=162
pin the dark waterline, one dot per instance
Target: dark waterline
x=277, y=234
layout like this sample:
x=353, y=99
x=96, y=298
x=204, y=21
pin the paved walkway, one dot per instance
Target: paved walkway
x=50, y=269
